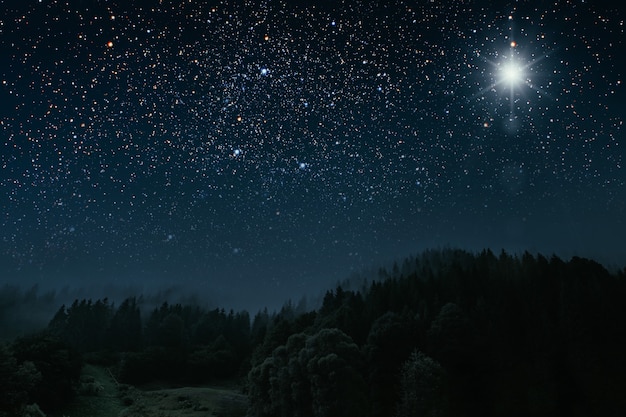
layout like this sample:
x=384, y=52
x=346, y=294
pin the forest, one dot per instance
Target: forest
x=443, y=333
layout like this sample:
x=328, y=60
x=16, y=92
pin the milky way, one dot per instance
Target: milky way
x=268, y=144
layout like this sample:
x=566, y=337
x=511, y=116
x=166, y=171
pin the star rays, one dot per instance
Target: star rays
x=511, y=76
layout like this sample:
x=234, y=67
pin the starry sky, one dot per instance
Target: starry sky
x=258, y=150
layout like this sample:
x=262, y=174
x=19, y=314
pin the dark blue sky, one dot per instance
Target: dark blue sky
x=256, y=151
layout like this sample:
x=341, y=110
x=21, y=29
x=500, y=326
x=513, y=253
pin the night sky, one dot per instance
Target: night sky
x=251, y=151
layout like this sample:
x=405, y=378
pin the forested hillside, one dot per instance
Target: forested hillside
x=445, y=333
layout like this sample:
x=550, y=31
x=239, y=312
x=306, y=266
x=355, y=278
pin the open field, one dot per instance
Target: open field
x=187, y=402
x=115, y=400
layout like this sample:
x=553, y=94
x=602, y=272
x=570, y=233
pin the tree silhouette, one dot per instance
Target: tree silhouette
x=422, y=388
x=58, y=364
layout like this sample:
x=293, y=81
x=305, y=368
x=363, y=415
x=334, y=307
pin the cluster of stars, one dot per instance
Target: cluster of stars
x=210, y=132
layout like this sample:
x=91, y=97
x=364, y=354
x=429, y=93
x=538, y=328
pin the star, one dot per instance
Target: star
x=512, y=74
x=125, y=127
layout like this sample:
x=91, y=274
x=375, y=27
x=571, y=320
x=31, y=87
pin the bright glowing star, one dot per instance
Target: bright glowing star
x=110, y=44
x=513, y=44
x=512, y=74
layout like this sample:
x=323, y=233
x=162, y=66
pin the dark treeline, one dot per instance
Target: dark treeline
x=453, y=333
x=26, y=310
x=183, y=344
x=446, y=333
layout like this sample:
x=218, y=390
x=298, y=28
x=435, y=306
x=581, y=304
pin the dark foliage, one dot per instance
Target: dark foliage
x=24, y=311
x=447, y=333
x=153, y=363
x=491, y=335
x=312, y=375
x=47, y=372
x=176, y=342
x=17, y=382
x=422, y=388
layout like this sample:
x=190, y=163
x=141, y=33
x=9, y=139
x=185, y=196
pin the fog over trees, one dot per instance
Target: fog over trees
x=444, y=333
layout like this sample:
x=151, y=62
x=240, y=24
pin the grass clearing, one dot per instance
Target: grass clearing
x=186, y=402
x=115, y=400
x=105, y=403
